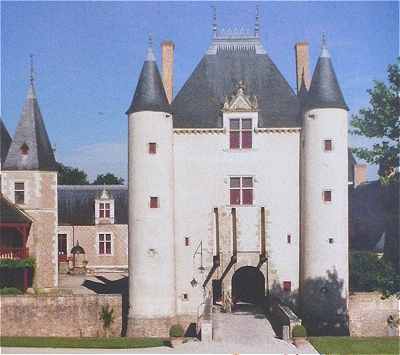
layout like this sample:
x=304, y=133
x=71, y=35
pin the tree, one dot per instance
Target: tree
x=381, y=122
x=108, y=179
x=71, y=176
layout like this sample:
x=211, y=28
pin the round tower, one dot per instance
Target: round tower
x=151, y=236
x=324, y=206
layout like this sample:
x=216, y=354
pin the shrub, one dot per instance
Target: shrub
x=107, y=316
x=17, y=263
x=10, y=291
x=299, y=331
x=176, y=331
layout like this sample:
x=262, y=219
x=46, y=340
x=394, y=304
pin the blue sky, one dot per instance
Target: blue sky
x=88, y=56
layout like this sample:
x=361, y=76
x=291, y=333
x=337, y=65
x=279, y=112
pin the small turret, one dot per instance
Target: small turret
x=30, y=148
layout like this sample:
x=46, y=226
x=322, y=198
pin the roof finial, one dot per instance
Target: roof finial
x=324, y=48
x=150, y=54
x=32, y=72
x=214, y=21
x=257, y=23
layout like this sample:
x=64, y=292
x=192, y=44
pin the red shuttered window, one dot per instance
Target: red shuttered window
x=240, y=133
x=154, y=202
x=152, y=148
x=328, y=145
x=327, y=196
x=241, y=190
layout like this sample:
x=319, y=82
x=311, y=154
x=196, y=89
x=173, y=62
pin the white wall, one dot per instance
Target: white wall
x=203, y=164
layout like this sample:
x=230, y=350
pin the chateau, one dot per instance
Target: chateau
x=237, y=189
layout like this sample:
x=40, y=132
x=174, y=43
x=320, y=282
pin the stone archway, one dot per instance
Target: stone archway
x=248, y=285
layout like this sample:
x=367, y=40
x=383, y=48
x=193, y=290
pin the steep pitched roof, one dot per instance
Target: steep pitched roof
x=150, y=93
x=76, y=203
x=5, y=142
x=10, y=213
x=229, y=61
x=324, y=90
x=31, y=136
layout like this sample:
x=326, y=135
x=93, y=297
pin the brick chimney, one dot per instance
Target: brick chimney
x=302, y=64
x=167, y=53
x=360, y=174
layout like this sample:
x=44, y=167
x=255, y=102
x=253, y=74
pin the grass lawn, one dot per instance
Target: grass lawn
x=353, y=345
x=59, y=342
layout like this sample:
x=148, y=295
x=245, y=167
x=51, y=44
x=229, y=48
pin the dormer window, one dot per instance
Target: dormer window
x=240, y=133
x=24, y=149
x=104, y=208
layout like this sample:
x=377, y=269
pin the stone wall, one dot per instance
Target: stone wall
x=368, y=314
x=67, y=316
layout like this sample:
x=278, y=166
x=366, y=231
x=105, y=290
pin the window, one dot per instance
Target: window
x=152, y=148
x=62, y=247
x=240, y=133
x=154, y=202
x=187, y=241
x=328, y=145
x=185, y=297
x=241, y=190
x=330, y=240
x=104, y=210
x=327, y=196
x=24, y=149
x=287, y=286
x=289, y=238
x=19, y=192
x=105, y=244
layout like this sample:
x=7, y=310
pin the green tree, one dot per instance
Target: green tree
x=381, y=122
x=71, y=176
x=108, y=179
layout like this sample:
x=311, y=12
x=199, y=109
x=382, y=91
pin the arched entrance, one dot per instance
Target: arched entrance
x=248, y=285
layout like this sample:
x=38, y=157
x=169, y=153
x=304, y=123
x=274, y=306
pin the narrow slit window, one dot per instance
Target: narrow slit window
x=19, y=193
x=327, y=196
x=187, y=241
x=152, y=148
x=289, y=238
x=154, y=202
x=328, y=145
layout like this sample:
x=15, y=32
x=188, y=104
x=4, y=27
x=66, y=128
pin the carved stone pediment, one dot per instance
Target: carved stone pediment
x=240, y=102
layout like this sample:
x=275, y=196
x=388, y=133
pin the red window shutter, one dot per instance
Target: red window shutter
x=247, y=196
x=328, y=145
x=152, y=148
x=235, y=197
x=153, y=202
x=287, y=286
x=327, y=196
x=234, y=140
x=246, y=139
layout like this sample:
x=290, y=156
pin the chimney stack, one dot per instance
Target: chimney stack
x=167, y=53
x=302, y=64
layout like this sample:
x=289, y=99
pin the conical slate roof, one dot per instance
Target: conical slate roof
x=228, y=61
x=5, y=142
x=324, y=90
x=150, y=93
x=30, y=148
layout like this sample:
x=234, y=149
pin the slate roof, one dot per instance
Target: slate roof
x=149, y=94
x=5, y=141
x=10, y=213
x=31, y=132
x=324, y=90
x=199, y=102
x=76, y=204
